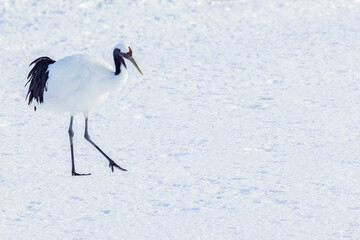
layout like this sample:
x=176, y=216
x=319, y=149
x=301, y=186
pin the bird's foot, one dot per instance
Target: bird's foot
x=80, y=174
x=113, y=164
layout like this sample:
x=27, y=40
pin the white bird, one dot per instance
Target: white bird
x=77, y=84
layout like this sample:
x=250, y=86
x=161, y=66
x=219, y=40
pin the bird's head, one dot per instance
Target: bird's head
x=124, y=50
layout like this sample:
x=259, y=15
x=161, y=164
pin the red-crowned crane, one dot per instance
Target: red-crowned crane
x=77, y=84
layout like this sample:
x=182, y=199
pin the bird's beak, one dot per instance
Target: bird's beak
x=133, y=62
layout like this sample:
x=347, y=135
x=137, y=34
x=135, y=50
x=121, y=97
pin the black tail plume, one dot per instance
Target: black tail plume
x=37, y=78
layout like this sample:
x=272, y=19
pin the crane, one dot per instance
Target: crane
x=77, y=84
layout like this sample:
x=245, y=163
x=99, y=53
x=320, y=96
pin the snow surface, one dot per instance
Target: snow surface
x=245, y=125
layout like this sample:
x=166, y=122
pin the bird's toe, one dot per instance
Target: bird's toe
x=113, y=164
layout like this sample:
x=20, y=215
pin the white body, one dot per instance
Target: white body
x=80, y=82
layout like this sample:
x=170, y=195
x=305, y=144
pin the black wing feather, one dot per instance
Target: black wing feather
x=37, y=78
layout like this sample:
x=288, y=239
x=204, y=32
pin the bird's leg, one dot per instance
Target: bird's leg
x=112, y=164
x=71, y=134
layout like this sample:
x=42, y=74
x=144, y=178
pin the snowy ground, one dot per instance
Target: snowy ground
x=246, y=124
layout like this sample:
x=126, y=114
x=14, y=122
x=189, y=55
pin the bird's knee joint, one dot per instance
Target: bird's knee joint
x=71, y=133
x=86, y=136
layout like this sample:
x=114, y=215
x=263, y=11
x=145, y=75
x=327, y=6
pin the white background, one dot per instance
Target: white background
x=245, y=125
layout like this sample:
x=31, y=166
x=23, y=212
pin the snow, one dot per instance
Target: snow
x=245, y=124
